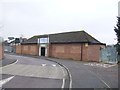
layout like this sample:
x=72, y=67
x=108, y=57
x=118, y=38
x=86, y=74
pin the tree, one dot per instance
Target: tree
x=117, y=30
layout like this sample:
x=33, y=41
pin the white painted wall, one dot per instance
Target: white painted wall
x=39, y=50
x=43, y=45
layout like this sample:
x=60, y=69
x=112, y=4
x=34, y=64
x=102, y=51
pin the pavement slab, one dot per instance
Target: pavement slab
x=32, y=82
x=35, y=71
x=30, y=72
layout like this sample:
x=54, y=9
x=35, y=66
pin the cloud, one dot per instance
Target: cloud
x=30, y=17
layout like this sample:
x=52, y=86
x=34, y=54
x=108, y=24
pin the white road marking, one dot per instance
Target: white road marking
x=54, y=65
x=105, y=83
x=63, y=84
x=99, y=78
x=15, y=62
x=70, y=85
x=43, y=64
x=2, y=82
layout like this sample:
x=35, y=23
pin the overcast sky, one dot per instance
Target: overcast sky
x=36, y=17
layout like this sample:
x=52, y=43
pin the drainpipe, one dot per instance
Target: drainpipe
x=38, y=43
x=21, y=48
x=81, y=52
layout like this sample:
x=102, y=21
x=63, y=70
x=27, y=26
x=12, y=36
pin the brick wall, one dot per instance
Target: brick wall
x=65, y=51
x=33, y=50
x=73, y=51
x=1, y=51
x=91, y=53
x=68, y=51
x=27, y=49
x=18, y=49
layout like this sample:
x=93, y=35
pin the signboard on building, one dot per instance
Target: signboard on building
x=43, y=40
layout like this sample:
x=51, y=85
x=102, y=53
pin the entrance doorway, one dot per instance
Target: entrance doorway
x=42, y=51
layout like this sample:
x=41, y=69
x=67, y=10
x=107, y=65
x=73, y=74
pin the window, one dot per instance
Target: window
x=44, y=40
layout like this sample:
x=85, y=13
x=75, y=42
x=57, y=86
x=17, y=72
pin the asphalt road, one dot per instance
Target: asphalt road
x=28, y=72
x=84, y=75
x=32, y=82
x=91, y=76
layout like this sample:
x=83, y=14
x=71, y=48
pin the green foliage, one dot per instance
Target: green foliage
x=117, y=30
x=118, y=48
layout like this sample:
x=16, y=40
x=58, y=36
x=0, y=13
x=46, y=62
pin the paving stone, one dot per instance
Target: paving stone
x=35, y=71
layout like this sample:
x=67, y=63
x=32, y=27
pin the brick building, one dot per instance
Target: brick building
x=30, y=46
x=77, y=45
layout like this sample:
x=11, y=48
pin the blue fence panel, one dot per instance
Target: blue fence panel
x=109, y=54
x=118, y=58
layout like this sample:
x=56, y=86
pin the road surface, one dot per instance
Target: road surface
x=83, y=74
x=28, y=72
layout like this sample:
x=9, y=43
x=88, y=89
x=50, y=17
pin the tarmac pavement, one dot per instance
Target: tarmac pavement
x=28, y=72
x=7, y=61
x=35, y=71
x=91, y=75
x=84, y=74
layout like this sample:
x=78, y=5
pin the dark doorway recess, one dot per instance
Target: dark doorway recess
x=42, y=51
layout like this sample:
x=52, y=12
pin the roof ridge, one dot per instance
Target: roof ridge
x=85, y=33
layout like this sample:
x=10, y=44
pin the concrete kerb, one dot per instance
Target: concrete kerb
x=69, y=74
x=1, y=72
x=10, y=63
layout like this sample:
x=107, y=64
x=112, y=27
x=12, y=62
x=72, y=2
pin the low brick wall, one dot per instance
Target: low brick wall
x=27, y=49
x=65, y=51
x=1, y=51
x=18, y=49
x=75, y=52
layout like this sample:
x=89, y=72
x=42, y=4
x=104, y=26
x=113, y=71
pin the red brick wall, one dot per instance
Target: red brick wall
x=84, y=53
x=68, y=51
x=34, y=50
x=18, y=49
x=27, y=49
x=1, y=51
x=73, y=51
x=65, y=51
x=93, y=52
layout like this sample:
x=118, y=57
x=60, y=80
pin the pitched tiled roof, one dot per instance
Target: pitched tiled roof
x=73, y=37
x=34, y=39
x=66, y=37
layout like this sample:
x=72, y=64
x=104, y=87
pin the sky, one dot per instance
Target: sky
x=37, y=17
